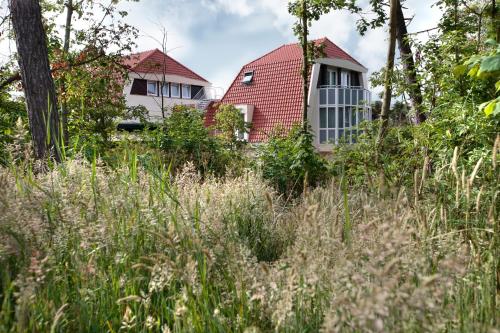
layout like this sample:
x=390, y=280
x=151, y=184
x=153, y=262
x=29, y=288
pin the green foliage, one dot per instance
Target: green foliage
x=10, y=112
x=94, y=98
x=230, y=125
x=184, y=138
x=290, y=162
x=483, y=67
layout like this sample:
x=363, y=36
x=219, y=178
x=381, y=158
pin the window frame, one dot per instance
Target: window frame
x=156, y=88
x=248, y=77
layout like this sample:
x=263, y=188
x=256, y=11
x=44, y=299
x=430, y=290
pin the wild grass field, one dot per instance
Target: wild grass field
x=135, y=248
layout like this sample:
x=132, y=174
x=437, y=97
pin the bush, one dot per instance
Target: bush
x=10, y=112
x=290, y=162
x=184, y=138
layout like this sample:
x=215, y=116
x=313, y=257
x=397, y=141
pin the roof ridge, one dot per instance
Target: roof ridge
x=148, y=54
x=348, y=54
x=201, y=77
x=268, y=53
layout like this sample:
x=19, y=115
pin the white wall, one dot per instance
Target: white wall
x=153, y=103
x=313, y=110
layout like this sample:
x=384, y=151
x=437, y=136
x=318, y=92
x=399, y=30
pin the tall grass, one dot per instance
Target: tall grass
x=135, y=248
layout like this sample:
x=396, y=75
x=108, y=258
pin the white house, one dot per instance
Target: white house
x=157, y=81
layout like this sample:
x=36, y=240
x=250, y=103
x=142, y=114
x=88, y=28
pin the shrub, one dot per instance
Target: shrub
x=290, y=162
x=10, y=112
x=184, y=138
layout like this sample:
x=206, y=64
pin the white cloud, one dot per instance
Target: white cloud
x=237, y=7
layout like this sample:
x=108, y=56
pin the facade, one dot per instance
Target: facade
x=158, y=81
x=268, y=91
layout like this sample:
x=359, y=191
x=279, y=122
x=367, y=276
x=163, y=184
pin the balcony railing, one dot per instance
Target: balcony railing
x=341, y=110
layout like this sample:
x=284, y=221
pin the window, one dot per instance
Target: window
x=186, y=91
x=332, y=77
x=241, y=135
x=152, y=88
x=164, y=89
x=327, y=125
x=175, y=90
x=345, y=78
x=248, y=77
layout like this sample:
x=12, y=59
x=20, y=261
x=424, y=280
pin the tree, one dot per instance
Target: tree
x=414, y=88
x=230, y=124
x=305, y=11
x=39, y=89
x=386, y=101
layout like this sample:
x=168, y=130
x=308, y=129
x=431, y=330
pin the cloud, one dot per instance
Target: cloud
x=216, y=38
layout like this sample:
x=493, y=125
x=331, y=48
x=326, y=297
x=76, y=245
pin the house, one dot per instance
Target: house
x=269, y=92
x=157, y=81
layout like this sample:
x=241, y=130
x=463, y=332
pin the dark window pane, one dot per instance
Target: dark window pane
x=322, y=118
x=331, y=136
x=360, y=96
x=347, y=117
x=322, y=136
x=353, y=118
x=331, y=96
x=340, y=113
x=331, y=117
x=322, y=96
x=341, y=135
x=354, y=97
x=341, y=96
x=354, y=137
x=348, y=96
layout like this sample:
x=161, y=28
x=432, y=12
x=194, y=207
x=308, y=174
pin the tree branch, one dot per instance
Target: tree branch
x=17, y=76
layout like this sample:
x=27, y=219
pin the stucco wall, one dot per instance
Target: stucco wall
x=153, y=103
x=313, y=98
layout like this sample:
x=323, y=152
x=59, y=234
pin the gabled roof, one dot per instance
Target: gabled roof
x=276, y=89
x=155, y=61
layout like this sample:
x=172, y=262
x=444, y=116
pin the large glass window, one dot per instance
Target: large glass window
x=327, y=125
x=186, y=91
x=164, y=89
x=175, y=90
x=341, y=110
x=332, y=77
x=152, y=88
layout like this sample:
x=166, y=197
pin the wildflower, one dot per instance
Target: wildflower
x=150, y=322
x=128, y=321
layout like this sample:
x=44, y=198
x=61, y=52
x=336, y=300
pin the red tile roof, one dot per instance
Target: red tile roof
x=155, y=61
x=276, y=89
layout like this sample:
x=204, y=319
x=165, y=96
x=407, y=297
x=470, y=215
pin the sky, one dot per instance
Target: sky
x=215, y=38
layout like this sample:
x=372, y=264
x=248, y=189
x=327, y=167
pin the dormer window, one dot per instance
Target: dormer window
x=248, y=77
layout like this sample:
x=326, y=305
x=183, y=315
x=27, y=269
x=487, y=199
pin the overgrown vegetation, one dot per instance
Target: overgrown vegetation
x=187, y=228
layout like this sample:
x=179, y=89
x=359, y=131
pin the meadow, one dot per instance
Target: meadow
x=138, y=248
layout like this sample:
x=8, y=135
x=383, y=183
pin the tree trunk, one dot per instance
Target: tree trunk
x=67, y=36
x=39, y=89
x=414, y=88
x=389, y=69
x=496, y=27
x=305, y=69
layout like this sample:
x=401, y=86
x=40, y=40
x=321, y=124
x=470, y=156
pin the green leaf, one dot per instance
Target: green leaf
x=490, y=64
x=488, y=110
x=473, y=71
x=497, y=109
x=460, y=70
x=497, y=85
